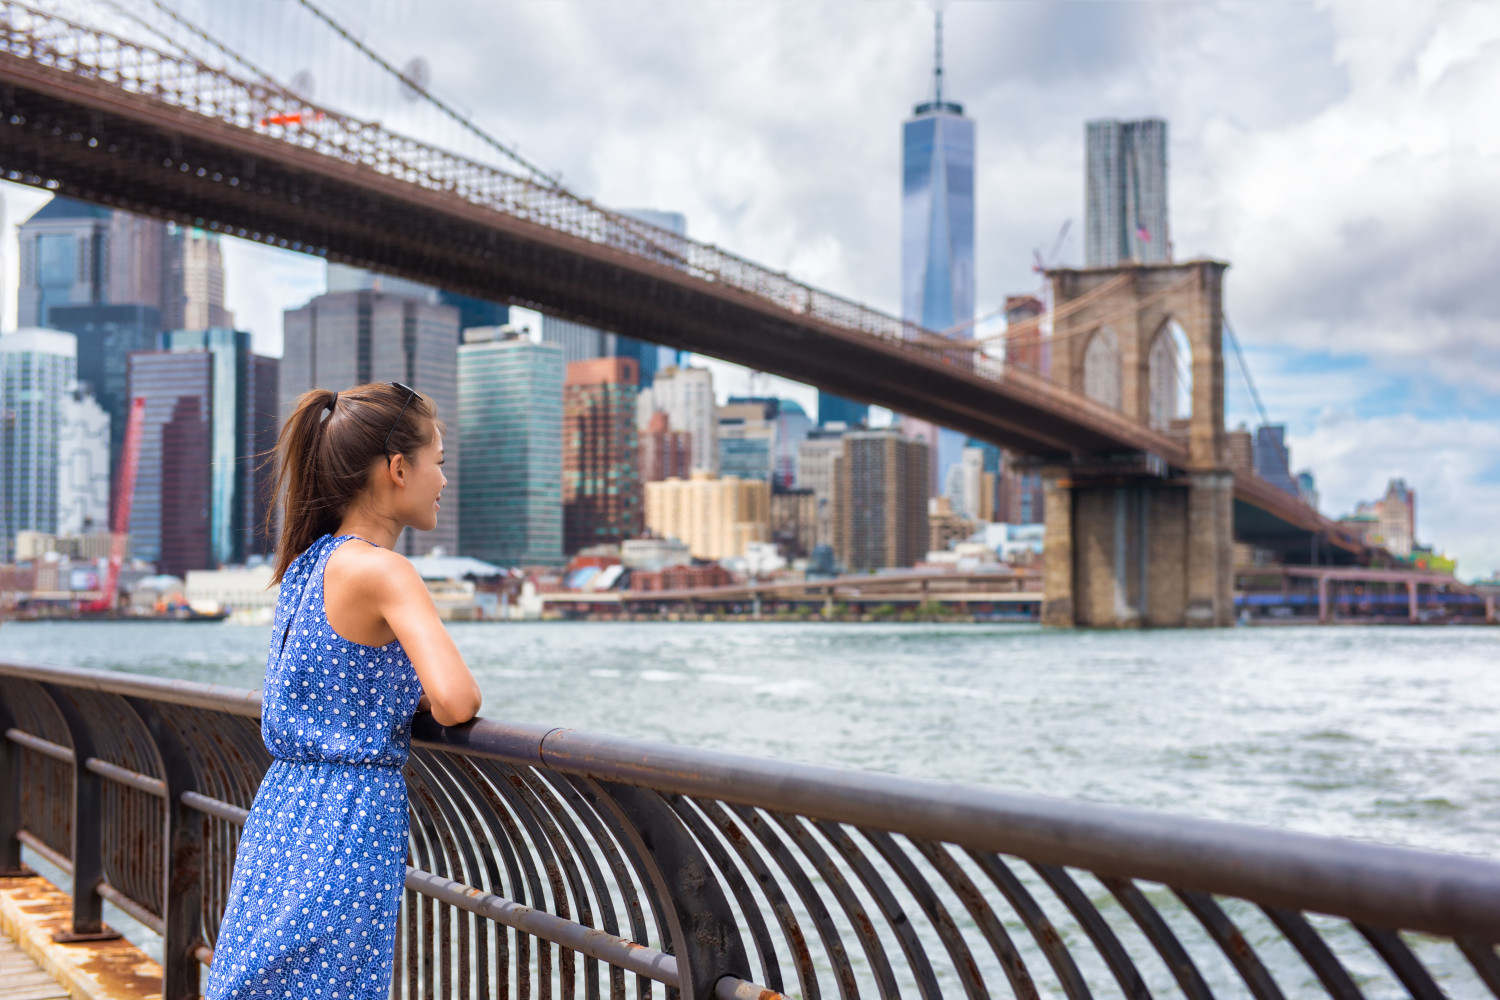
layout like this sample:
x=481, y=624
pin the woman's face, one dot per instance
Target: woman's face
x=419, y=503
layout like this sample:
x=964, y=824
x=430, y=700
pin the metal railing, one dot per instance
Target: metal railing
x=547, y=862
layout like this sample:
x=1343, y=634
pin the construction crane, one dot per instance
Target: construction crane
x=130, y=456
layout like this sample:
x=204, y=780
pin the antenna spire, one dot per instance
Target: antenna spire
x=937, y=56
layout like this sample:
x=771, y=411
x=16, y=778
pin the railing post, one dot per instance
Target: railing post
x=11, y=865
x=88, y=833
x=182, y=862
x=705, y=936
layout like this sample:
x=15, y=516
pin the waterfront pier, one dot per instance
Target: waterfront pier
x=548, y=862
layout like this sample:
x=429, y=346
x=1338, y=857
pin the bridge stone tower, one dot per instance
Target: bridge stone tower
x=1142, y=539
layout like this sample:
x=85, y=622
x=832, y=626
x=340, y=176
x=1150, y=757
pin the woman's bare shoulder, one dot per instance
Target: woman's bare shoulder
x=372, y=569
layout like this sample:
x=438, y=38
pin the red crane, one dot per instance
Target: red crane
x=124, y=492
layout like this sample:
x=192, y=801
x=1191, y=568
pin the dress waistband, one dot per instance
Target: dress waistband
x=395, y=765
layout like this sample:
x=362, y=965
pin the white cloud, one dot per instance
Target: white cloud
x=1453, y=464
x=1337, y=153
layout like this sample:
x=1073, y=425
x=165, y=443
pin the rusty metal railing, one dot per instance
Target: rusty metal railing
x=547, y=862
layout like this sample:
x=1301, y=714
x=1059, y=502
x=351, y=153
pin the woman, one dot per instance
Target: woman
x=356, y=649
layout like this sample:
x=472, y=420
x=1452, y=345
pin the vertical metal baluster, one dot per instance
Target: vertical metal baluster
x=87, y=847
x=12, y=819
x=1481, y=954
x=1413, y=975
x=1315, y=951
x=182, y=858
x=1231, y=940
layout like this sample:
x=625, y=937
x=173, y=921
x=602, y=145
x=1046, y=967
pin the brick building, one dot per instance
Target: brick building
x=665, y=453
x=601, y=478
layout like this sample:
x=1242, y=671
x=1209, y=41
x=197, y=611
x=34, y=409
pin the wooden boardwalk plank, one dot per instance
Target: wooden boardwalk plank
x=21, y=978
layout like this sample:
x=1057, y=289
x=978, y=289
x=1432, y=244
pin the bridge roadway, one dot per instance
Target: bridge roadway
x=113, y=122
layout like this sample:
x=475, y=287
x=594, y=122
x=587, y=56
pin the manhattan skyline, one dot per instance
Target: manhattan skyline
x=1342, y=188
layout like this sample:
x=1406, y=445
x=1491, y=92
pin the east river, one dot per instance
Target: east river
x=1380, y=733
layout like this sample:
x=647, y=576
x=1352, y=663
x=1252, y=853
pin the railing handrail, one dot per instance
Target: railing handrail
x=1376, y=883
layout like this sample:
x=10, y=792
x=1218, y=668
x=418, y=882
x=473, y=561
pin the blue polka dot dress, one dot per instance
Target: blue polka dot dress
x=321, y=862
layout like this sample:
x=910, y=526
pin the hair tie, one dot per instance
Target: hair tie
x=335, y=399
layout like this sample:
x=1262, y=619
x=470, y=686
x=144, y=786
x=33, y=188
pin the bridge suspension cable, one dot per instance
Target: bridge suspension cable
x=418, y=88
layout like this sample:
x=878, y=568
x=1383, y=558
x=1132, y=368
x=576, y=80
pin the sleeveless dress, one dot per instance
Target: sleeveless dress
x=321, y=862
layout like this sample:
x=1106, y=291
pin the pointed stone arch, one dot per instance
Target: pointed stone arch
x=1169, y=378
x=1155, y=545
x=1101, y=368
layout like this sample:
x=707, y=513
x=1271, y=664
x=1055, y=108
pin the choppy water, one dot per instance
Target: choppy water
x=1380, y=733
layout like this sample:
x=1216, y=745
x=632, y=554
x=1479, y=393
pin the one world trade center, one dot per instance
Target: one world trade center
x=937, y=237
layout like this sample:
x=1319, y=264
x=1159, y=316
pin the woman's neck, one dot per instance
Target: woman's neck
x=383, y=531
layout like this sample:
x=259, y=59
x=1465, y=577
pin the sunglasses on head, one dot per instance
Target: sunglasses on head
x=410, y=395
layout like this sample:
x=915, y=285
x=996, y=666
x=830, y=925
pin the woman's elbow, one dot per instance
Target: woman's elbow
x=458, y=711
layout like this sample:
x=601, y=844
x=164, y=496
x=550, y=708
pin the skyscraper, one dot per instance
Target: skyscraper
x=937, y=236
x=107, y=335
x=510, y=416
x=241, y=413
x=838, y=410
x=1273, y=460
x=882, y=499
x=37, y=374
x=1125, y=201
x=171, y=516
x=77, y=254
x=601, y=491
x=82, y=465
x=193, y=269
x=581, y=342
x=686, y=396
x=472, y=311
x=74, y=253
x=342, y=339
x=665, y=453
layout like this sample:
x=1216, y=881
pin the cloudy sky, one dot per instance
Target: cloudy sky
x=1342, y=156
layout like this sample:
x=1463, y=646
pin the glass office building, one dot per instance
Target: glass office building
x=172, y=513
x=107, y=335
x=230, y=439
x=37, y=371
x=937, y=240
x=510, y=419
x=836, y=409
x=937, y=216
x=348, y=338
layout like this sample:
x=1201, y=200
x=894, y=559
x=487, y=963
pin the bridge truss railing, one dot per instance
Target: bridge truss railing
x=547, y=862
x=183, y=80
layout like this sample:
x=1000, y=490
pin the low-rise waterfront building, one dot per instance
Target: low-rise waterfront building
x=652, y=554
x=231, y=588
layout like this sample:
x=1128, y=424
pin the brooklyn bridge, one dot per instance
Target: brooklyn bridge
x=1142, y=516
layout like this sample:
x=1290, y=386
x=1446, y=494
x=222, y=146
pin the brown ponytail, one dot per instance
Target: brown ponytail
x=323, y=457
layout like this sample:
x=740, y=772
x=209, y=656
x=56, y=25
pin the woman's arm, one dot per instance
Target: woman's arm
x=450, y=691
